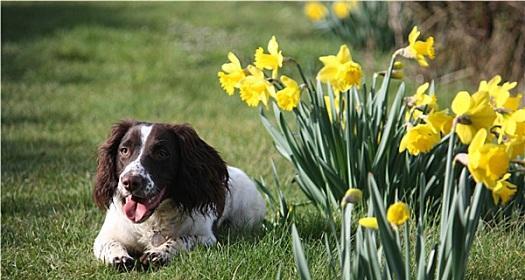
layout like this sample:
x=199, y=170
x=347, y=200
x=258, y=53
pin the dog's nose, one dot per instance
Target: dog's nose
x=132, y=182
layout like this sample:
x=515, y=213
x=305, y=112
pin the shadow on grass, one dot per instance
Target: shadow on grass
x=41, y=155
x=26, y=21
x=24, y=24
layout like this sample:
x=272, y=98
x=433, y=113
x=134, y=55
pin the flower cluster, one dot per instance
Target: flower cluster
x=397, y=215
x=339, y=71
x=315, y=11
x=253, y=84
x=489, y=121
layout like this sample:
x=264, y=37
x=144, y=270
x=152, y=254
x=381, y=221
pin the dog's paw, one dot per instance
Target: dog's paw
x=123, y=263
x=154, y=259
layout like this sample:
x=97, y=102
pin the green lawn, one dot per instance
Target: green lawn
x=71, y=70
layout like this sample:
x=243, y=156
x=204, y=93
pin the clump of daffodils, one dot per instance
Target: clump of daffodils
x=255, y=85
x=316, y=11
x=488, y=122
x=397, y=215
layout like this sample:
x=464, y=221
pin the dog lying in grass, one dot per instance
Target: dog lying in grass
x=165, y=191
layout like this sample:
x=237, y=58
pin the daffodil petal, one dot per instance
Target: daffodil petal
x=461, y=103
x=477, y=141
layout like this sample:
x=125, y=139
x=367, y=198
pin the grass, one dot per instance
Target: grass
x=70, y=70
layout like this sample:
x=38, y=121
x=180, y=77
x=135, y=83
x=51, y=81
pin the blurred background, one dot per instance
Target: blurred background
x=474, y=40
x=70, y=70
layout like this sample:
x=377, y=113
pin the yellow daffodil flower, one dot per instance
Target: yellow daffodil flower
x=340, y=71
x=398, y=213
x=369, y=223
x=486, y=162
x=255, y=88
x=420, y=103
x=503, y=191
x=342, y=9
x=419, y=139
x=418, y=50
x=515, y=147
x=273, y=60
x=398, y=65
x=233, y=74
x=511, y=130
x=352, y=196
x=397, y=74
x=440, y=121
x=514, y=125
x=315, y=11
x=500, y=96
x=472, y=114
x=288, y=97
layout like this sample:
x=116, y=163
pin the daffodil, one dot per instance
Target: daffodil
x=515, y=147
x=472, y=114
x=342, y=9
x=419, y=139
x=511, y=129
x=255, y=88
x=440, y=121
x=352, y=196
x=315, y=11
x=369, y=223
x=398, y=65
x=487, y=162
x=272, y=60
x=340, y=70
x=418, y=50
x=233, y=74
x=503, y=191
x=420, y=103
x=500, y=95
x=398, y=213
x=514, y=124
x=288, y=97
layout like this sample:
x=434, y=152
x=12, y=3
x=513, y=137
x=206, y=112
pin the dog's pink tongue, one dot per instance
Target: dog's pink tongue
x=134, y=210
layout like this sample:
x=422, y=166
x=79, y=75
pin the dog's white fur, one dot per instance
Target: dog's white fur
x=244, y=208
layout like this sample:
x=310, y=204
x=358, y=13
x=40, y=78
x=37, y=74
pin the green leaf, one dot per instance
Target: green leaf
x=392, y=248
x=387, y=130
x=300, y=260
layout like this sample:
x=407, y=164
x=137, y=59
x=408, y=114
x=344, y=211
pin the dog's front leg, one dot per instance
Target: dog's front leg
x=163, y=254
x=113, y=253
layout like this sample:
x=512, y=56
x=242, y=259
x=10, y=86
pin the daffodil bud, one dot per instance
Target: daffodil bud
x=398, y=75
x=398, y=65
x=352, y=196
x=369, y=223
x=398, y=213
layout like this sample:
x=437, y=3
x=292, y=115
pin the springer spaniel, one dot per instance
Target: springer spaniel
x=165, y=190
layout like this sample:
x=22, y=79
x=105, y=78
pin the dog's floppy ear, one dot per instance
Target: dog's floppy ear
x=106, y=179
x=202, y=176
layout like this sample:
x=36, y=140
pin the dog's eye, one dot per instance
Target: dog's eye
x=162, y=154
x=124, y=151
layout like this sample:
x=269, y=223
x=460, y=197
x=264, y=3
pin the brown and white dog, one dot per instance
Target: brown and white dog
x=165, y=190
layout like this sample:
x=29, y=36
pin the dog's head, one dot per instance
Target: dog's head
x=142, y=164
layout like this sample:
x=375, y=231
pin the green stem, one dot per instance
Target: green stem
x=300, y=69
x=446, y=198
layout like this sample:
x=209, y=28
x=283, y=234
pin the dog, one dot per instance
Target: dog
x=165, y=191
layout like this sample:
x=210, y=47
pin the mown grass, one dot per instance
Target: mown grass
x=70, y=70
